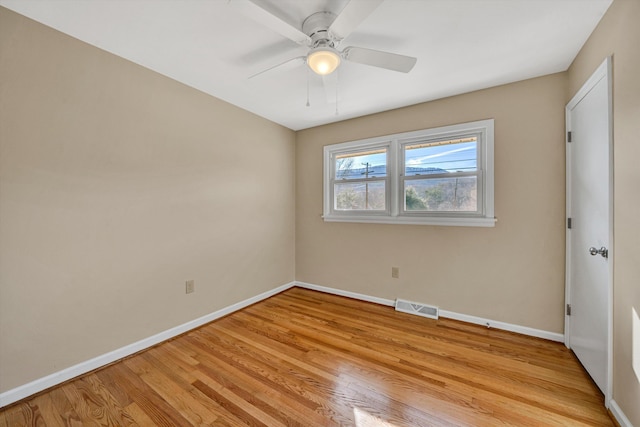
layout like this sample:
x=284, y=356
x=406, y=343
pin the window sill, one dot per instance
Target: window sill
x=441, y=221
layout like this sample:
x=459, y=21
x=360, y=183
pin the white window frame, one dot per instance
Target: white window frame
x=354, y=149
x=394, y=187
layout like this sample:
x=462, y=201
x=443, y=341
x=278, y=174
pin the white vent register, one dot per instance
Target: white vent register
x=417, y=308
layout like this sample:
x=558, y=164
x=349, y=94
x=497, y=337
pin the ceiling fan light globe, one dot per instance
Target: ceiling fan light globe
x=323, y=61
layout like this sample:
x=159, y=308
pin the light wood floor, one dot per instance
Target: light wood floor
x=303, y=358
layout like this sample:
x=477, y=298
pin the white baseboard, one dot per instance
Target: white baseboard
x=524, y=330
x=18, y=393
x=340, y=292
x=620, y=417
x=552, y=336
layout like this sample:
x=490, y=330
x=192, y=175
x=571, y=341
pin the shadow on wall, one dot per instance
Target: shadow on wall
x=635, y=337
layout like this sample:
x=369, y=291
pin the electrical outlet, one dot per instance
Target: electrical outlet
x=395, y=272
x=190, y=286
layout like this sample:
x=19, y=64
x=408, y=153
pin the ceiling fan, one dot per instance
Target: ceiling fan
x=323, y=32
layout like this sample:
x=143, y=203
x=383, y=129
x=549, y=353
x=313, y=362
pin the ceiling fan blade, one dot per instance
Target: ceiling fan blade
x=261, y=16
x=286, y=65
x=351, y=16
x=377, y=58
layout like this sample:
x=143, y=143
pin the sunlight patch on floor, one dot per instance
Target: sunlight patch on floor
x=365, y=419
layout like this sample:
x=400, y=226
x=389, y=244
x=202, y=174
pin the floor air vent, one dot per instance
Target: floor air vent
x=416, y=308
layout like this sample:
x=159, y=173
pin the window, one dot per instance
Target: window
x=441, y=176
x=360, y=181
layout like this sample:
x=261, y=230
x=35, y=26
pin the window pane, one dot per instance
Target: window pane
x=367, y=164
x=442, y=194
x=459, y=155
x=360, y=196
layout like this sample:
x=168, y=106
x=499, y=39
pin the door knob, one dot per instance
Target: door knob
x=602, y=251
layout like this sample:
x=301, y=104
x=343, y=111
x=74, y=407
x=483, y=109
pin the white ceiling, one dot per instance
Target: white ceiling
x=461, y=46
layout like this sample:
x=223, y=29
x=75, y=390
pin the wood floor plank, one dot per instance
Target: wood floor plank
x=175, y=392
x=64, y=407
x=145, y=397
x=89, y=402
x=50, y=415
x=138, y=415
x=305, y=358
x=302, y=368
x=288, y=380
x=491, y=375
x=497, y=362
x=257, y=390
x=14, y=416
x=452, y=351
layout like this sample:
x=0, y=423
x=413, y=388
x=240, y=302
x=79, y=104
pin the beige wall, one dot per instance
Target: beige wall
x=618, y=34
x=513, y=272
x=117, y=185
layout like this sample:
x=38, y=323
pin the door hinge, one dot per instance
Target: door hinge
x=568, y=309
x=569, y=223
x=569, y=136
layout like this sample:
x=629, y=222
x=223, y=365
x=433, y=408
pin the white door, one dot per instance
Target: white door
x=588, y=326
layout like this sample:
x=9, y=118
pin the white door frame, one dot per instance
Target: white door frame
x=603, y=71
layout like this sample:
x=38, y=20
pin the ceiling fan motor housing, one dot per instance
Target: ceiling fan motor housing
x=316, y=26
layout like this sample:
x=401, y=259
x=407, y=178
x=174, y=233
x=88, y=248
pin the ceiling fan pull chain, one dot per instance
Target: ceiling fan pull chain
x=337, y=85
x=308, y=87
